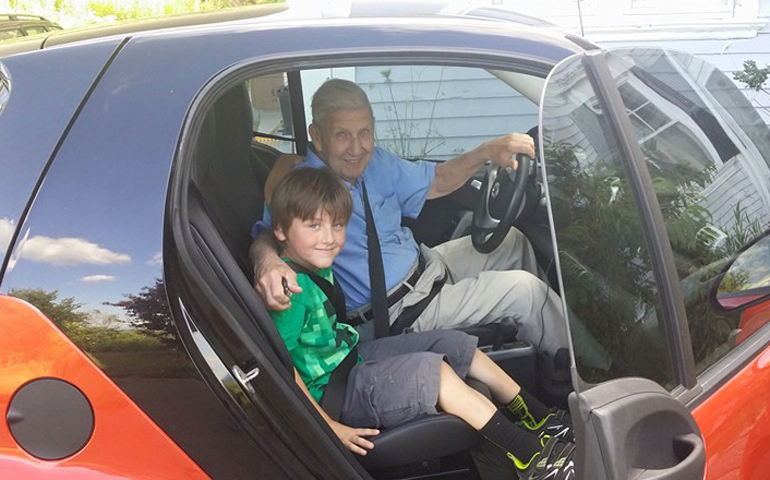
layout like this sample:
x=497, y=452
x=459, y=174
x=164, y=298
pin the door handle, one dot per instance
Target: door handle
x=690, y=448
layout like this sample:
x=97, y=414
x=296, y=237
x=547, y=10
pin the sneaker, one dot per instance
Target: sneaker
x=556, y=424
x=554, y=462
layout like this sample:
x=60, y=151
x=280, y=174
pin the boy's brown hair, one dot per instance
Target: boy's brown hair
x=303, y=191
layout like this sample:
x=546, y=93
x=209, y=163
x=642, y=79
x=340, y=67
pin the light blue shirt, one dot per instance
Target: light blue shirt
x=397, y=188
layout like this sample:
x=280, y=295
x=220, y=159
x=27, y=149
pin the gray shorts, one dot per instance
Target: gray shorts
x=398, y=380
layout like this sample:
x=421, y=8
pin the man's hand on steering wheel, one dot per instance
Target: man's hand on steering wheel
x=503, y=191
x=502, y=151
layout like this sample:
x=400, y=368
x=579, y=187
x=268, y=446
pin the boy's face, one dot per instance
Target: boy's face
x=345, y=141
x=313, y=243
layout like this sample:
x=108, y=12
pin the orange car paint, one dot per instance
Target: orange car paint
x=126, y=443
x=752, y=319
x=735, y=423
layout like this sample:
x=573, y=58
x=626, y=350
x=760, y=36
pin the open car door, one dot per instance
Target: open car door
x=620, y=130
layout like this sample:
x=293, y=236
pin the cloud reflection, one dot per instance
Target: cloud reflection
x=97, y=278
x=63, y=251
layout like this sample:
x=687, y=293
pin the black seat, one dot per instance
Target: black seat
x=225, y=199
x=229, y=175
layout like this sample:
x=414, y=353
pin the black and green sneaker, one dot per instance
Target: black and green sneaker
x=553, y=462
x=556, y=424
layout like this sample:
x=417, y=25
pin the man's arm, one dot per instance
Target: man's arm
x=352, y=438
x=269, y=272
x=268, y=268
x=282, y=166
x=453, y=174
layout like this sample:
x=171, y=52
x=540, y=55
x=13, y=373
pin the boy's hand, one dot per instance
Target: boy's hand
x=353, y=438
x=269, y=283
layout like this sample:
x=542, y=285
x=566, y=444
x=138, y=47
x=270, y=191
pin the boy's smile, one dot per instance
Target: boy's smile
x=315, y=242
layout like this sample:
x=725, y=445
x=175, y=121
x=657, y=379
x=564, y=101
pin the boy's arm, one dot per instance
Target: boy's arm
x=352, y=438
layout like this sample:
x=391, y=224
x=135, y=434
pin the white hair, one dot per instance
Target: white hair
x=337, y=94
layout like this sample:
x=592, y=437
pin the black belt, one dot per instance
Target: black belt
x=394, y=297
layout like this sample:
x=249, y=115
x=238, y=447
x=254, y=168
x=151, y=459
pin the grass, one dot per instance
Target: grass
x=160, y=363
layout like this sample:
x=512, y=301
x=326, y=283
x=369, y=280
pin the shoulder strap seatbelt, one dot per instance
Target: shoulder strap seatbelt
x=333, y=291
x=379, y=292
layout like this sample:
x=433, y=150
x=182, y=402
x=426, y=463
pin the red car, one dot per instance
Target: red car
x=132, y=344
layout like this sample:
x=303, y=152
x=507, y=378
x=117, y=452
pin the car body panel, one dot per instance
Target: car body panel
x=102, y=203
x=125, y=442
x=735, y=423
x=37, y=113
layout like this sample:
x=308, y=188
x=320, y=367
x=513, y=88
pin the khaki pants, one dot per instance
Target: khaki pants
x=484, y=288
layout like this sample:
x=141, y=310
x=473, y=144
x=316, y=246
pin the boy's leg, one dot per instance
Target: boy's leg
x=518, y=405
x=388, y=392
x=458, y=348
x=535, y=457
x=395, y=390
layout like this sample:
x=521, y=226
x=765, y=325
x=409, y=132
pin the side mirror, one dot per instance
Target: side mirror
x=745, y=281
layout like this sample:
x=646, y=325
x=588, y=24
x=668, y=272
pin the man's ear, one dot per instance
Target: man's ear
x=316, y=137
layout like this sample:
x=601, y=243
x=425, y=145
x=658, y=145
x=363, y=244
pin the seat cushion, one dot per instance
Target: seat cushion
x=433, y=436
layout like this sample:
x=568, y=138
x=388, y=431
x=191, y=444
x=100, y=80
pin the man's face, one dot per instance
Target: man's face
x=344, y=141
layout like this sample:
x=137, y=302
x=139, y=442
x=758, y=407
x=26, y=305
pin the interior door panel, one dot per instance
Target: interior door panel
x=631, y=428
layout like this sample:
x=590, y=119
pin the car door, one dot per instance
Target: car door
x=656, y=171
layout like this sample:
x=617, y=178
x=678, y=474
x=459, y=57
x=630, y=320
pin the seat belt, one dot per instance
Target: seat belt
x=379, y=291
x=334, y=391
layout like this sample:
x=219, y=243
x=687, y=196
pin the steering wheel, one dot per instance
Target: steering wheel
x=501, y=202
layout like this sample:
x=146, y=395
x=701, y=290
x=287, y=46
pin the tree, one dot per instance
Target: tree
x=150, y=312
x=62, y=313
x=752, y=76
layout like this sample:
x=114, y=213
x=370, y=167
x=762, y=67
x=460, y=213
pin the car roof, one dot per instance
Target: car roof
x=273, y=13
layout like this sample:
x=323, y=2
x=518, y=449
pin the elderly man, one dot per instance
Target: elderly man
x=477, y=288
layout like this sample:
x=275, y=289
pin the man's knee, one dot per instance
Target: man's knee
x=497, y=283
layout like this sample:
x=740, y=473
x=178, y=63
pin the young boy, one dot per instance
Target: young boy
x=398, y=378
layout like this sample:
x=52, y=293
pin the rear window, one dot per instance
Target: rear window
x=12, y=33
x=35, y=29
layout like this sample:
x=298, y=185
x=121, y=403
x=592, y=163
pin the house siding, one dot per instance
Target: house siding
x=727, y=55
x=442, y=111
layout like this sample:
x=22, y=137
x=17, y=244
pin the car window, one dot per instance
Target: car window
x=34, y=29
x=435, y=112
x=711, y=179
x=13, y=33
x=605, y=266
x=271, y=112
